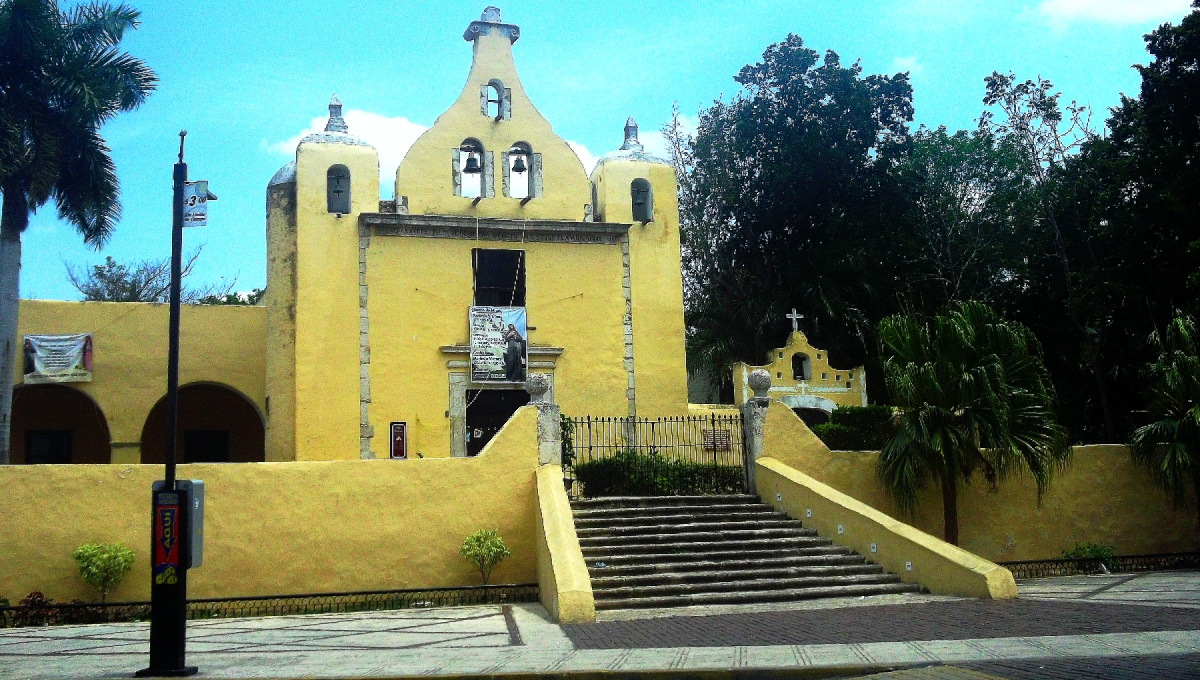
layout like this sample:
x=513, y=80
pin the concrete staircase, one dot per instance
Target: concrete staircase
x=670, y=551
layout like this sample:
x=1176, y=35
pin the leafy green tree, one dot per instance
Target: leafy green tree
x=61, y=79
x=103, y=565
x=972, y=395
x=1170, y=446
x=777, y=203
x=484, y=549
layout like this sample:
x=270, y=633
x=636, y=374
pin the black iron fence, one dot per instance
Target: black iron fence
x=669, y=456
x=1097, y=565
x=39, y=611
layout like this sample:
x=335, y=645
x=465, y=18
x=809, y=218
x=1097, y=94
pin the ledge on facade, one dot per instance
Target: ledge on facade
x=534, y=350
x=493, y=228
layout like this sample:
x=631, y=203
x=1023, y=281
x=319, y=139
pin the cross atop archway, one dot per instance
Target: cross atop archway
x=795, y=320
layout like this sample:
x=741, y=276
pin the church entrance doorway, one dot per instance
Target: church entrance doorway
x=487, y=412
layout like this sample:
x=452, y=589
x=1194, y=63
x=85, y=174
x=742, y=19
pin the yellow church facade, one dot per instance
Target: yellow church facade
x=803, y=378
x=364, y=333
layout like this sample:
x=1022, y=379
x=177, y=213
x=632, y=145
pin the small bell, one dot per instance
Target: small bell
x=519, y=165
x=472, y=165
x=640, y=200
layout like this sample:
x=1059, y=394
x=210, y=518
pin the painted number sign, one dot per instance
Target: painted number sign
x=195, y=204
x=166, y=539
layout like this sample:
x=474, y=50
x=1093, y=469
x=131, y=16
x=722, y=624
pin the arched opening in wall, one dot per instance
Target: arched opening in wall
x=495, y=97
x=801, y=367
x=57, y=424
x=518, y=170
x=468, y=169
x=216, y=425
x=643, y=205
x=812, y=416
x=337, y=189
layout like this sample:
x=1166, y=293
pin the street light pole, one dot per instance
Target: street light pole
x=170, y=547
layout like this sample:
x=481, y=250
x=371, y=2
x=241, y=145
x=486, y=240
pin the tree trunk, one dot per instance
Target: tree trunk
x=13, y=218
x=950, y=509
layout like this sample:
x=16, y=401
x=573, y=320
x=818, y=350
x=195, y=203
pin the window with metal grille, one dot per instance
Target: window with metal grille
x=499, y=277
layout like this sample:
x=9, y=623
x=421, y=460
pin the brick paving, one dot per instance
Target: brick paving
x=956, y=620
x=1172, y=667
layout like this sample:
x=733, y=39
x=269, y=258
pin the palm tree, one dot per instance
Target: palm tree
x=1170, y=446
x=972, y=394
x=61, y=79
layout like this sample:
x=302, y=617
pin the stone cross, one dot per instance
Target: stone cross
x=795, y=320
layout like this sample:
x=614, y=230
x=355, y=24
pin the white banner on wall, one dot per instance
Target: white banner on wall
x=499, y=346
x=58, y=358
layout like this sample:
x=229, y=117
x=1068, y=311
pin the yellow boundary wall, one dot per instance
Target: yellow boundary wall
x=1101, y=497
x=280, y=528
x=915, y=555
x=563, y=580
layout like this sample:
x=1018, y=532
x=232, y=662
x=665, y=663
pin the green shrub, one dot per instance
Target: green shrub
x=630, y=473
x=856, y=428
x=484, y=549
x=1083, y=550
x=103, y=565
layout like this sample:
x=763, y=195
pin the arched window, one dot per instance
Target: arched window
x=522, y=172
x=495, y=100
x=472, y=170
x=801, y=367
x=643, y=202
x=337, y=189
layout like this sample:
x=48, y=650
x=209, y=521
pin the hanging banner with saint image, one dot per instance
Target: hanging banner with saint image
x=499, y=347
x=58, y=358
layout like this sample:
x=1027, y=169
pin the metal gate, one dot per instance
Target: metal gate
x=669, y=456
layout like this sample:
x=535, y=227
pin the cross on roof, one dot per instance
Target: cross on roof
x=795, y=320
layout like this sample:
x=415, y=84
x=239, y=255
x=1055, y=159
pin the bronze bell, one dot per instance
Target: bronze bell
x=519, y=165
x=639, y=199
x=472, y=165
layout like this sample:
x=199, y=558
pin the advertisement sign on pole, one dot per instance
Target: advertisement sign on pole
x=58, y=358
x=195, y=203
x=499, y=346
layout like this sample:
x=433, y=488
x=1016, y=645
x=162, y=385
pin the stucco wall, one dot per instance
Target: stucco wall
x=1101, y=497
x=220, y=344
x=279, y=528
x=420, y=290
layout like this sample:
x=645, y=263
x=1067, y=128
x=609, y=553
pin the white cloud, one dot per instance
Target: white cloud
x=910, y=64
x=655, y=142
x=1115, y=11
x=391, y=137
x=586, y=157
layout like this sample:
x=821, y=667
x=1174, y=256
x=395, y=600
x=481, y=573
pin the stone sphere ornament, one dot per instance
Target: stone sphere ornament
x=760, y=382
x=537, y=384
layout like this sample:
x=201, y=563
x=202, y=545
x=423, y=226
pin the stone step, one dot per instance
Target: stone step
x=603, y=581
x=672, y=544
x=622, y=502
x=684, y=527
x=824, y=548
x=755, y=596
x=631, y=568
x=711, y=536
x=737, y=585
x=583, y=521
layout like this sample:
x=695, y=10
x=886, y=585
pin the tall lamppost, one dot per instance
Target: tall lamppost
x=177, y=505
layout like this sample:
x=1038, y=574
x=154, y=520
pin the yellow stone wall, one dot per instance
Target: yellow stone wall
x=327, y=301
x=280, y=528
x=827, y=382
x=218, y=344
x=280, y=301
x=656, y=282
x=1102, y=497
x=425, y=175
x=420, y=290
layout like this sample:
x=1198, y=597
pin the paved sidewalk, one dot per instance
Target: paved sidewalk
x=1118, y=626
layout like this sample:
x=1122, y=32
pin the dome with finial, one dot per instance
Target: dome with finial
x=336, y=130
x=632, y=149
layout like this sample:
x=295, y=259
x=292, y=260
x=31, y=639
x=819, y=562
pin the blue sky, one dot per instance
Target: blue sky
x=247, y=78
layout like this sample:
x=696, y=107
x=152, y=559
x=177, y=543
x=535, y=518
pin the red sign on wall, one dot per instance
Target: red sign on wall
x=166, y=539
